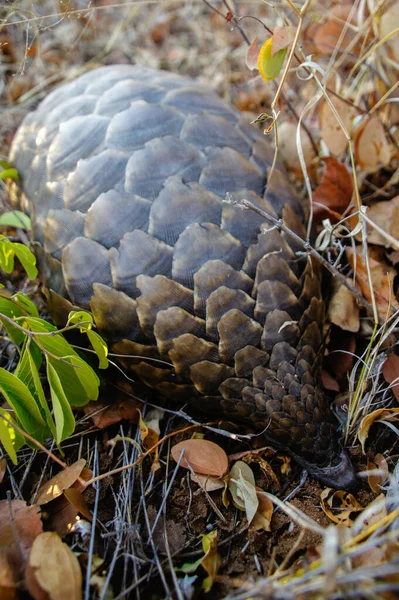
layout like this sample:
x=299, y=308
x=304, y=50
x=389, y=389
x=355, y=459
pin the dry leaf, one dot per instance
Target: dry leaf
x=104, y=415
x=332, y=197
x=377, y=480
x=8, y=580
x=372, y=149
x=390, y=370
x=343, y=309
x=282, y=38
x=326, y=36
x=386, y=216
x=339, y=505
x=20, y=524
x=252, y=55
x=287, y=132
x=243, y=490
x=389, y=21
x=208, y=483
x=204, y=457
x=60, y=482
x=382, y=278
x=330, y=130
x=264, y=513
x=54, y=567
x=377, y=416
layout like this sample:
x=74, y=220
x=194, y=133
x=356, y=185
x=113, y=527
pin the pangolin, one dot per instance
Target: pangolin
x=125, y=172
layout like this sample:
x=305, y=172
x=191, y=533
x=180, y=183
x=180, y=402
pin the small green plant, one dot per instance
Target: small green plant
x=71, y=380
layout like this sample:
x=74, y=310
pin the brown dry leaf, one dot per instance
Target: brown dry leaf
x=386, y=216
x=204, y=457
x=264, y=513
x=377, y=416
x=287, y=146
x=3, y=467
x=282, y=38
x=389, y=21
x=332, y=197
x=254, y=457
x=382, y=278
x=343, y=309
x=330, y=130
x=372, y=149
x=20, y=524
x=54, y=568
x=252, y=54
x=329, y=382
x=327, y=35
x=8, y=581
x=104, y=415
x=62, y=517
x=376, y=481
x=60, y=482
x=339, y=505
x=390, y=370
x=17, y=519
x=208, y=483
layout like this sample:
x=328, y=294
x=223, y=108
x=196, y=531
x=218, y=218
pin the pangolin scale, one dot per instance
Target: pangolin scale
x=125, y=171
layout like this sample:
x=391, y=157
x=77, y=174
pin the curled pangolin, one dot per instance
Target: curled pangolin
x=124, y=172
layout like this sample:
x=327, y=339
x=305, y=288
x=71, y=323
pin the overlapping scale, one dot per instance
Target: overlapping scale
x=218, y=307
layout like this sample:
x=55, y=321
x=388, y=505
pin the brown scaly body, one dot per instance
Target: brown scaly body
x=124, y=172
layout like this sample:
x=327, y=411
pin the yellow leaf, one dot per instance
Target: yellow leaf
x=270, y=66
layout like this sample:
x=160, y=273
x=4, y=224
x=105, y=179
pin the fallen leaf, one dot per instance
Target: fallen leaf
x=254, y=457
x=327, y=35
x=331, y=131
x=8, y=581
x=55, y=486
x=203, y=456
x=264, y=513
x=372, y=149
x=377, y=416
x=211, y=561
x=54, y=568
x=339, y=505
x=20, y=524
x=376, y=481
x=333, y=196
x=386, y=215
x=329, y=382
x=243, y=490
x=282, y=38
x=382, y=280
x=343, y=309
x=341, y=354
x=104, y=415
x=388, y=22
x=251, y=58
x=390, y=370
x=287, y=132
x=208, y=483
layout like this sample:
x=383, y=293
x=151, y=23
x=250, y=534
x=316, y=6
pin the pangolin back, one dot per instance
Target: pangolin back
x=125, y=171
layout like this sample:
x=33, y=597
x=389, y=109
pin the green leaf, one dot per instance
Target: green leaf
x=83, y=319
x=9, y=174
x=64, y=419
x=6, y=255
x=9, y=307
x=22, y=402
x=15, y=218
x=100, y=348
x=27, y=372
x=270, y=66
x=11, y=439
x=87, y=378
x=27, y=259
x=27, y=306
